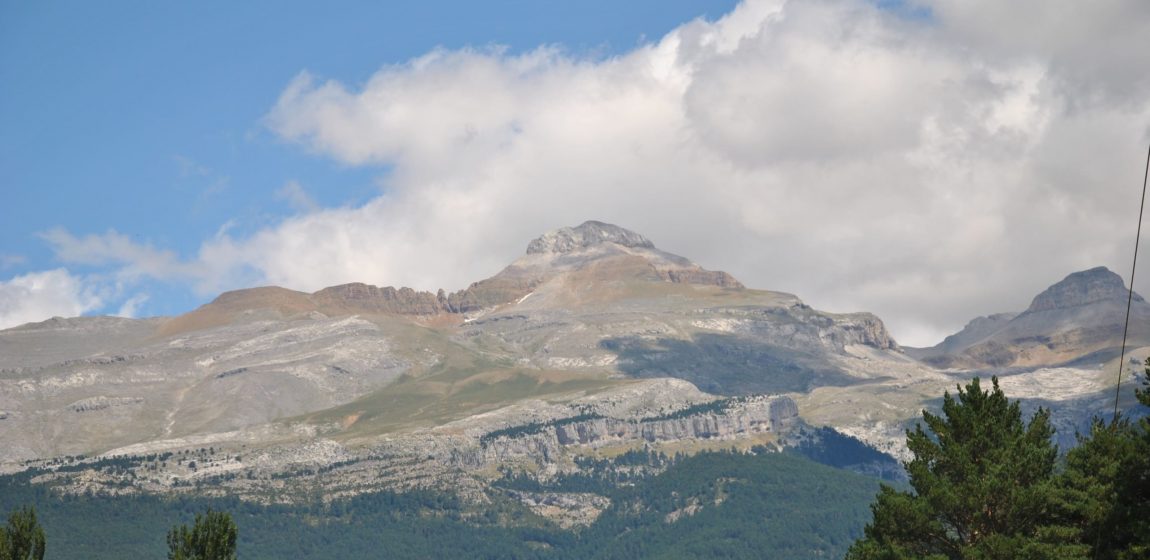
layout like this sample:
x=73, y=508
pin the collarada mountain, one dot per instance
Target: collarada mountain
x=593, y=342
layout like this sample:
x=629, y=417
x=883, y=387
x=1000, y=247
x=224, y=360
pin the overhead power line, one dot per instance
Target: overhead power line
x=1130, y=295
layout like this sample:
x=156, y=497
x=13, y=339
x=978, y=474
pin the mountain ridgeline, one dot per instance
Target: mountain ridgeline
x=1079, y=318
x=586, y=310
x=548, y=256
x=532, y=399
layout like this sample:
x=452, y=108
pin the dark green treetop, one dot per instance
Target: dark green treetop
x=983, y=487
x=212, y=537
x=23, y=538
x=1107, y=486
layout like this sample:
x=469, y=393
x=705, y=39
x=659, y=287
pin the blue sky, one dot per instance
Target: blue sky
x=927, y=160
x=146, y=117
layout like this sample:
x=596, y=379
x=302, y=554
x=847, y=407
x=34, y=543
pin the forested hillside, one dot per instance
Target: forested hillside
x=710, y=505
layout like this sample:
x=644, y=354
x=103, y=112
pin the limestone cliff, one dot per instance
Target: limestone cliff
x=585, y=235
x=726, y=419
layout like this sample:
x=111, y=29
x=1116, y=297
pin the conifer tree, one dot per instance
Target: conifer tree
x=212, y=537
x=23, y=538
x=983, y=487
x=1107, y=486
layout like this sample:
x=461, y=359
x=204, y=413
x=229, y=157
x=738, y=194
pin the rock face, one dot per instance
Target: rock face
x=587, y=234
x=977, y=330
x=593, y=342
x=862, y=329
x=371, y=299
x=701, y=277
x=544, y=438
x=594, y=338
x=556, y=254
x=1082, y=288
x=596, y=252
x=156, y=388
x=587, y=308
x=726, y=419
x=605, y=251
x=1079, y=318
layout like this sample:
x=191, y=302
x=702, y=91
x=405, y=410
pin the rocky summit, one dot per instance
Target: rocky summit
x=599, y=251
x=592, y=343
x=587, y=234
x=1079, y=319
x=1083, y=288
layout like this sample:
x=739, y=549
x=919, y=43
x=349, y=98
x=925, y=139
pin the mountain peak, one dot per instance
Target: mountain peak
x=587, y=234
x=1082, y=288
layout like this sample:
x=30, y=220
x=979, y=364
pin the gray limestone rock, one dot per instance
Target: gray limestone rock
x=587, y=234
x=1082, y=288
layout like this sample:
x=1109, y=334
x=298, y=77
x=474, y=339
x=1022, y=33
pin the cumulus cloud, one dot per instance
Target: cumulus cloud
x=1094, y=52
x=38, y=295
x=924, y=168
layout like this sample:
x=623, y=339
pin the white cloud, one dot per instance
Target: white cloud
x=294, y=194
x=924, y=169
x=135, y=259
x=1094, y=51
x=131, y=306
x=39, y=295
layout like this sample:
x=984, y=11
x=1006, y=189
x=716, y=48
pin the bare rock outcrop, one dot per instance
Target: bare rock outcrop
x=860, y=329
x=1081, y=317
x=362, y=298
x=1082, y=288
x=700, y=276
x=587, y=234
x=553, y=254
x=92, y=404
x=725, y=419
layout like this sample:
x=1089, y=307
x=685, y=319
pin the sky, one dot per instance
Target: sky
x=926, y=160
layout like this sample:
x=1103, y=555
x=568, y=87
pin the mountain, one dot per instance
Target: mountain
x=586, y=308
x=592, y=343
x=585, y=399
x=593, y=252
x=1077, y=320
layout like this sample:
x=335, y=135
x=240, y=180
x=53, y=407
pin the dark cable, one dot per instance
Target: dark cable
x=1130, y=296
